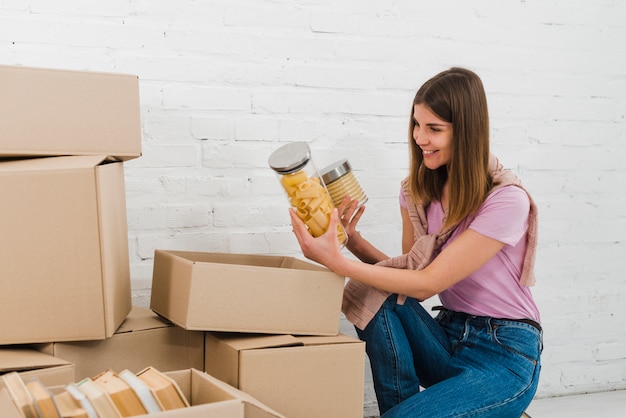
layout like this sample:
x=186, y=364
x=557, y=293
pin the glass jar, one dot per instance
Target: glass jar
x=341, y=182
x=305, y=188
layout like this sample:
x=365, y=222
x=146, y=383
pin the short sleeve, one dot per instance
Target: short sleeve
x=504, y=215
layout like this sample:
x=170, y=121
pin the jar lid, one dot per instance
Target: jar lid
x=290, y=157
x=335, y=171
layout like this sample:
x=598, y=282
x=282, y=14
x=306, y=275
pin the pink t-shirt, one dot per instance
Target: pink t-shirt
x=494, y=289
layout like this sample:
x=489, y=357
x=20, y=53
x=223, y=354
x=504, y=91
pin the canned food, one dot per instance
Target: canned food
x=305, y=188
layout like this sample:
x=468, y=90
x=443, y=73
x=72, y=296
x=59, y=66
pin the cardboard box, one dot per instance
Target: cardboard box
x=246, y=293
x=302, y=377
x=63, y=249
x=208, y=396
x=57, y=112
x=144, y=339
x=30, y=364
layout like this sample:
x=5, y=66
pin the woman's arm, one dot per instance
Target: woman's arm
x=463, y=256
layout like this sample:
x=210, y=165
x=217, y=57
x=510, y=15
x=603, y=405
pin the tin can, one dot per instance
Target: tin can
x=341, y=182
x=304, y=188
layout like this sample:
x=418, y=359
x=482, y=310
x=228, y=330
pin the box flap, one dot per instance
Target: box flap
x=241, y=341
x=202, y=393
x=327, y=340
x=294, y=263
x=73, y=162
x=254, y=260
x=254, y=408
x=51, y=376
x=230, y=258
x=20, y=359
x=140, y=319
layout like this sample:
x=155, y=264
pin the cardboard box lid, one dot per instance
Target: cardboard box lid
x=240, y=342
x=243, y=342
x=66, y=112
x=48, y=164
x=141, y=319
x=22, y=359
x=31, y=364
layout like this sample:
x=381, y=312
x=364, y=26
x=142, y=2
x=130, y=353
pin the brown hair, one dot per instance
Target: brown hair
x=456, y=96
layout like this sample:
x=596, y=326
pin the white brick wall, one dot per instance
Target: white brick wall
x=225, y=83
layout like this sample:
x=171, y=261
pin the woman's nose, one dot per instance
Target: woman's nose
x=418, y=137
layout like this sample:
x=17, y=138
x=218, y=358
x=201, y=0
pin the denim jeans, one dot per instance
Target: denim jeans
x=454, y=365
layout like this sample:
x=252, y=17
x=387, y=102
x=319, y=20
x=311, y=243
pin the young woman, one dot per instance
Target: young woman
x=469, y=236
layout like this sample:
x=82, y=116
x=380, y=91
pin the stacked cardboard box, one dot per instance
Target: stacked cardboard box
x=271, y=328
x=65, y=279
x=64, y=241
x=265, y=328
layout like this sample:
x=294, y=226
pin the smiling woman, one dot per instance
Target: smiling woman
x=469, y=236
x=453, y=99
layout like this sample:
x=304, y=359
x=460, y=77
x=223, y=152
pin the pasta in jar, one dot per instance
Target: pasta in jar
x=311, y=201
x=305, y=190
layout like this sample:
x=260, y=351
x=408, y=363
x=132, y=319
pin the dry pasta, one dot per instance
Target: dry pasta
x=311, y=201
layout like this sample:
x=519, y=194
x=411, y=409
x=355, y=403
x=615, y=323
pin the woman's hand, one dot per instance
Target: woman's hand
x=324, y=249
x=350, y=216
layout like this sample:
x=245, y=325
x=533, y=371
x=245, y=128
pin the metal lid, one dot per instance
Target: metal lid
x=335, y=171
x=290, y=157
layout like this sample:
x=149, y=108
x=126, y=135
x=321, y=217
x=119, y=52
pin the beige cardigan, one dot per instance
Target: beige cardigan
x=361, y=302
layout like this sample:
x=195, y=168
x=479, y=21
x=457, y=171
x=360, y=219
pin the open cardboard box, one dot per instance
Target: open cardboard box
x=208, y=397
x=144, y=339
x=63, y=249
x=30, y=364
x=298, y=376
x=49, y=112
x=205, y=392
x=246, y=293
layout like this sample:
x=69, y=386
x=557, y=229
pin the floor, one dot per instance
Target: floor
x=600, y=405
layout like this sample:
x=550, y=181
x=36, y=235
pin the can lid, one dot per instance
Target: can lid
x=290, y=157
x=335, y=171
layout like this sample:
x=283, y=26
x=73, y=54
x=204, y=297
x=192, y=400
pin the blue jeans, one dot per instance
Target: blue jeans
x=470, y=366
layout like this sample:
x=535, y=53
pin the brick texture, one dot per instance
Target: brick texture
x=223, y=84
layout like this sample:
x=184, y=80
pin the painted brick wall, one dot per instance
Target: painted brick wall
x=225, y=83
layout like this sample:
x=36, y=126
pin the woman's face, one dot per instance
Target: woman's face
x=433, y=136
